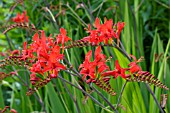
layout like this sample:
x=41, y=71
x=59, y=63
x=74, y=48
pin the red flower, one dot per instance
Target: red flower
x=21, y=18
x=133, y=66
x=62, y=38
x=118, y=71
x=55, y=55
x=37, y=67
x=120, y=27
x=100, y=60
x=102, y=67
x=39, y=45
x=93, y=68
x=98, y=56
x=103, y=32
x=87, y=68
x=93, y=38
x=45, y=57
x=49, y=62
x=26, y=53
x=54, y=61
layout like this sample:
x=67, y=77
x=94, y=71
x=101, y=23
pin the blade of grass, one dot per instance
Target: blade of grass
x=1, y=98
x=56, y=104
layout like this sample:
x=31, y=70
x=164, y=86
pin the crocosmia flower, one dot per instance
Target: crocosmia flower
x=20, y=18
x=93, y=68
x=133, y=66
x=104, y=32
x=44, y=55
x=62, y=37
x=118, y=71
x=120, y=26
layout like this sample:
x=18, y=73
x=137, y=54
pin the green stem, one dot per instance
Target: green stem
x=121, y=92
x=82, y=90
x=84, y=24
x=74, y=100
x=100, y=94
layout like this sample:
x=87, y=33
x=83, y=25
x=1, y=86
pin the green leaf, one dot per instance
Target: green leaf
x=55, y=102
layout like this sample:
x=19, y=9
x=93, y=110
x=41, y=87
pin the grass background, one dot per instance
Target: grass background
x=146, y=33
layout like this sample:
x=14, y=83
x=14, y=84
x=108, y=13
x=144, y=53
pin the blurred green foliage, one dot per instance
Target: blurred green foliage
x=146, y=33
